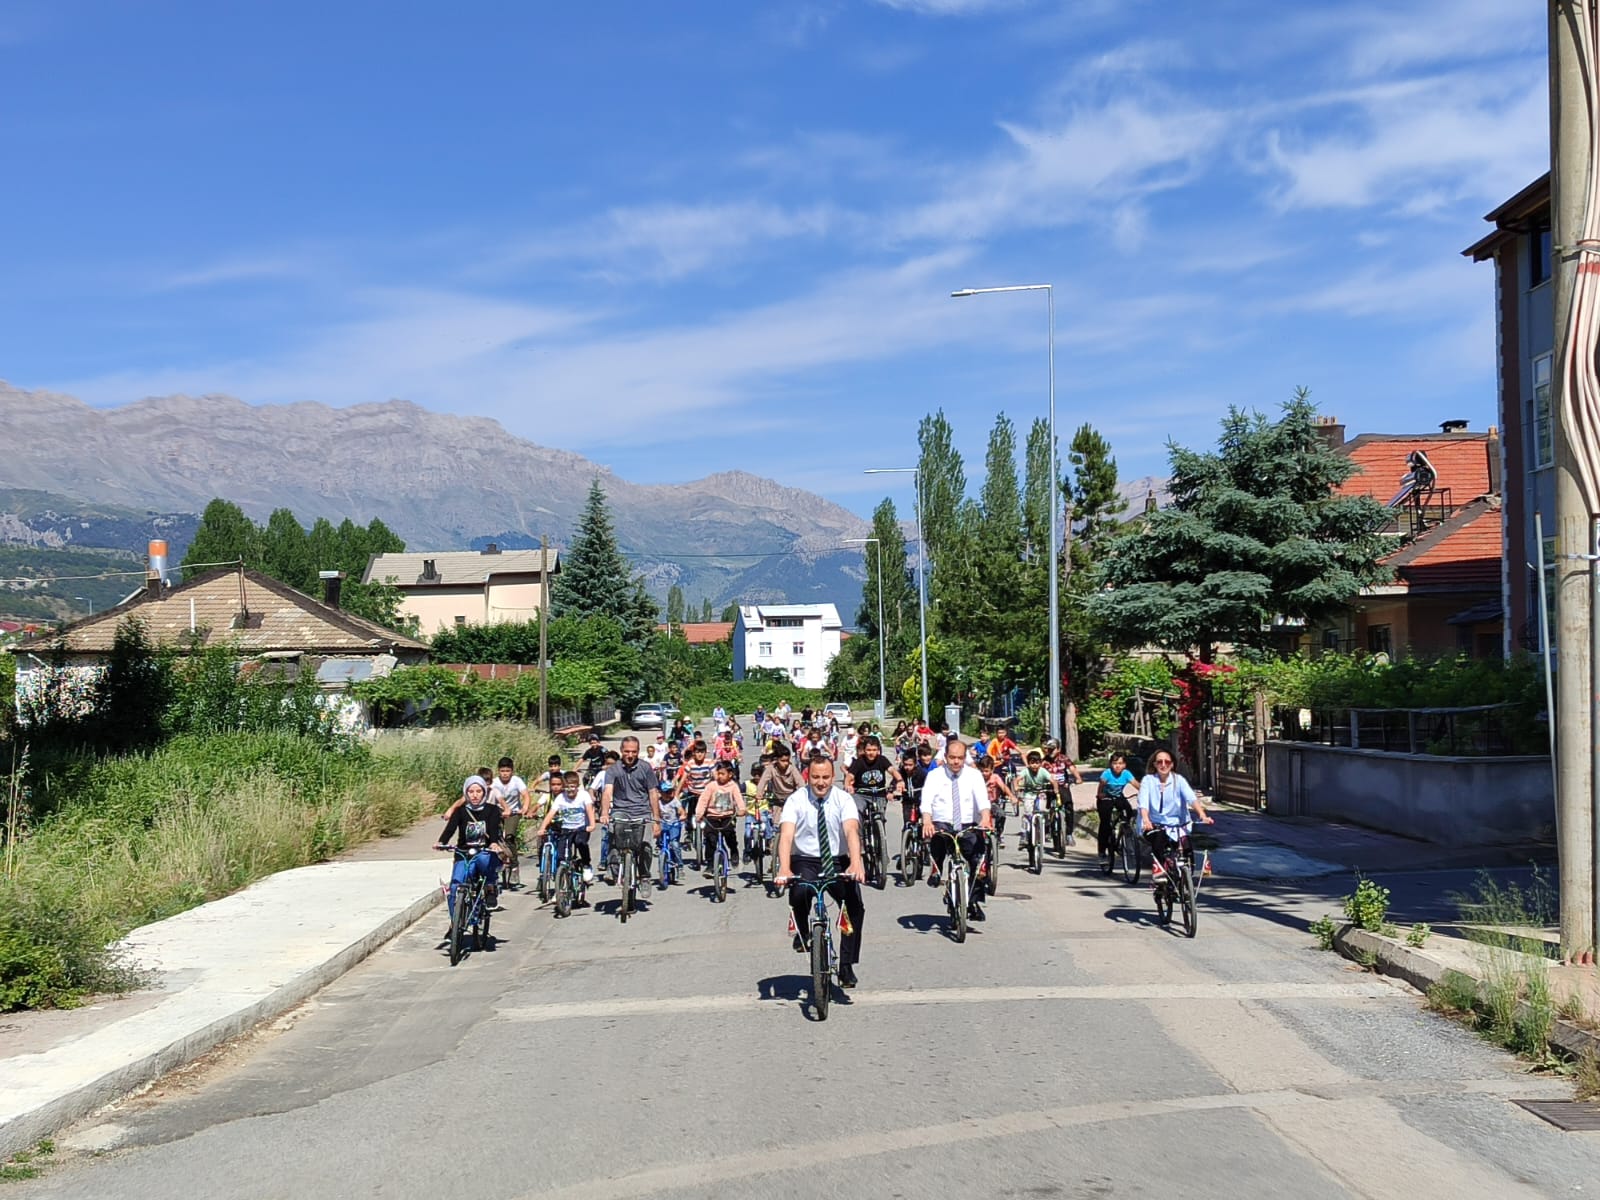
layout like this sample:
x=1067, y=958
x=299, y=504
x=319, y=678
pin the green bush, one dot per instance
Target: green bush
x=135, y=838
x=1368, y=908
x=1324, y=930
x=1109, y=708
x=746, y=696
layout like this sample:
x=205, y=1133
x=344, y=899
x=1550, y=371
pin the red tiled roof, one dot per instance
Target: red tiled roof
x=704, y=633
x=490, y=670
x=1462, y=461
x=1461, y=554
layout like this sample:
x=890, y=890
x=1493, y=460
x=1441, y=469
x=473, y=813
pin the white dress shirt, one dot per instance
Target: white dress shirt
x=800, y=810
x=956, y=800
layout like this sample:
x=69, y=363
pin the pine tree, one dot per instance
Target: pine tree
x=224, y=535
x=1255, y=530
x=595, y=579
x=1096, y=506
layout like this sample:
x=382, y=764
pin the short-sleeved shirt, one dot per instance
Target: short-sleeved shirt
x=570, y=814
x=871, y=778
x=697, y=776
x=717, y=801
x=800, y=810
x=958, y=800
x=510, y=794
x=1115, y=783
x=630, y=789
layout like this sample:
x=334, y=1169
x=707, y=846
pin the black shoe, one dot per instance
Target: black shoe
x=847, y=977
x=974, y=913
x=933, y=879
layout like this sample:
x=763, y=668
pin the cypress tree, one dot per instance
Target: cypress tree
x=224, y=535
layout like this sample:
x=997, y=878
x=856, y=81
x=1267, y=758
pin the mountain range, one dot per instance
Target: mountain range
x=85, y=476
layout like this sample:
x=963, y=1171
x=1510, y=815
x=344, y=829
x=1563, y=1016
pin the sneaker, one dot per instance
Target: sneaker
x=847, y=977
x=491, y=897
x=1071, y=841
x=588, y=875
x=975, y=913
x=933, y=879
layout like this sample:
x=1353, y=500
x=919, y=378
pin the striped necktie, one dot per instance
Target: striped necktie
x=825, y=849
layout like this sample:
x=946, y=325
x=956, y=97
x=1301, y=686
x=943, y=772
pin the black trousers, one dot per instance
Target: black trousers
x=971, y=840
x=1163, y=845
x=714, y=829
x=846, y=892
x=1112, y=809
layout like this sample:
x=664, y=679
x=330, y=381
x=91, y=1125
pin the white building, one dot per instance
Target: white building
x=798, y=639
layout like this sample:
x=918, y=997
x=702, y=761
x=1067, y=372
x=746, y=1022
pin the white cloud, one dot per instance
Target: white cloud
x=1049, y=174
x=666, y=241
x=1421, y=143
x=243, y=269
x=1380, y=38
x=952, y=8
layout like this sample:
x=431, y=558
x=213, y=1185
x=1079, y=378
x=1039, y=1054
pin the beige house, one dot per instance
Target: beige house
x=444, y=589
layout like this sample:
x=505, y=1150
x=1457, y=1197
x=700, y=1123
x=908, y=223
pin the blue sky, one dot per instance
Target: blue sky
x=692, y=236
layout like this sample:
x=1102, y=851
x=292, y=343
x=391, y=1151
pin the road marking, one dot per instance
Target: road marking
x=665, y=1005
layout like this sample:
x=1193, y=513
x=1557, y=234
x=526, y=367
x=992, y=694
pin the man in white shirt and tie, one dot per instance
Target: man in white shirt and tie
x=955, y=799
x=810, y=850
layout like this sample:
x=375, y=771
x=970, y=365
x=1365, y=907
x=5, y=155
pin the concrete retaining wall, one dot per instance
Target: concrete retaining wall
x=1451, y=801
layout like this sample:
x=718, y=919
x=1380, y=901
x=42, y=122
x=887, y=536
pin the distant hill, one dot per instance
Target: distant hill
x=154, y=463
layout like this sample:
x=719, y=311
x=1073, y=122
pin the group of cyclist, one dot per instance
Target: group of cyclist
x=814, y=811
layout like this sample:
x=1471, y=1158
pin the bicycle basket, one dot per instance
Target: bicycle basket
x=627, y=835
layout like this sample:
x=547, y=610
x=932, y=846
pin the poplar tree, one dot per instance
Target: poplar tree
x=224, y=535
x=1097, y=509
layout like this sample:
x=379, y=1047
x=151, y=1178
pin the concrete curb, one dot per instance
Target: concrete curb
x=1422, y=971
x=24, y=1130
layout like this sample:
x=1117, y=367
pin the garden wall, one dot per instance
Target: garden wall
x=1450, y=801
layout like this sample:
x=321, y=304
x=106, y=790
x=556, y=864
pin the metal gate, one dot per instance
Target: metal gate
x=1237, y=758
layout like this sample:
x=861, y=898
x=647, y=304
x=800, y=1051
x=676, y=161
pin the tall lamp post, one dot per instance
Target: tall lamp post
x=1055, y=498
x=883, y=688
x=87, y=601
x=922, y=577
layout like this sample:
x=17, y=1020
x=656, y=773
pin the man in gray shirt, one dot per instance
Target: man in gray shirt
x=632, y=792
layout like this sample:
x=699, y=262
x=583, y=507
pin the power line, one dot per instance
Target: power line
x=142, y=571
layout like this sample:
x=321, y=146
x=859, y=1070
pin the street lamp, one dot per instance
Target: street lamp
x=883, y=689
x=922, y=578
x=1055, y=498
x=87, y=601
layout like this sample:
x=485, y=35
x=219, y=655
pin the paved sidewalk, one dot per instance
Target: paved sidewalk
x=218, y=970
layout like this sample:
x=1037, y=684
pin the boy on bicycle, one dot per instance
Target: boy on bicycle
x=999, y=793
x=1038, y=790
x=1111, y=802
x=721, y=804
x=572, y=812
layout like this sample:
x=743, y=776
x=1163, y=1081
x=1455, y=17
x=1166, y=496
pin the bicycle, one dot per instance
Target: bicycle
x=570, y=888
x=819, y=938
x=470, y=909
x=547, y=869
x=721, y=865
x=627, y=836
x=913, y=852
x=1130, y=848
x=1181, y=886
x=1060, y=827
x=957, y=887
x=670, y=849
x=1033, y=831
x=874, y=840
x=1122, y=817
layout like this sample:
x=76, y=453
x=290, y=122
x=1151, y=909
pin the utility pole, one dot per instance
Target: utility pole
x=1576, y=681
x=544, y=622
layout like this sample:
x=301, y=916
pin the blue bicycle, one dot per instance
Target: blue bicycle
x=548, y=861
x=469, y=909
x=671, y=853
x=722, y=860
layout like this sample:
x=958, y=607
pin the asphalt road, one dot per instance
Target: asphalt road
x=1071, y=1047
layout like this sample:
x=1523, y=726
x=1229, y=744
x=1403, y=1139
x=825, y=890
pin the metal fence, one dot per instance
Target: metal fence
x=1473, y=730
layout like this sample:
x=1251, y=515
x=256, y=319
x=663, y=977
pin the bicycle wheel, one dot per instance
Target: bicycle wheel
x=480, y=936
x=1186, y=897
x=880, y=840
x=563, y=890
x=1128, y=852
x=719, y=871
x=959, y=898
x=546, y=875
x=1164, y=903
x=458, y=925
x=629, y=886
x=1058, y=834
x=821, y=983
x=1035, y=856
x=910, y=858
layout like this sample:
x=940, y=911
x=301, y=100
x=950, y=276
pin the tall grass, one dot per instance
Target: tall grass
x=135, y=838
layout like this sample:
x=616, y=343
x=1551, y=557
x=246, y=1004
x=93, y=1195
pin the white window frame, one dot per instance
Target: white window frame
x=763, y=649
x=799, y=649
x=798, y=674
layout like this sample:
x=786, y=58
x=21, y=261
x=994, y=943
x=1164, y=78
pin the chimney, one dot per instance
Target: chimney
x=492, y=548
x=1456, y=426
x=156, y=576
x=430, y=571
x=1493, y=451
x=1331, y=431
x=332, y=587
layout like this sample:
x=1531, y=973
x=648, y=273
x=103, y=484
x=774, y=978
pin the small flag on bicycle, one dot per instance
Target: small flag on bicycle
x=793, y=928
x=844, y=923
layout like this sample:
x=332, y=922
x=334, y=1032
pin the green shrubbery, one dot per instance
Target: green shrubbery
x=748, y=695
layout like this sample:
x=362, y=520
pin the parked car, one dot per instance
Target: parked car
x=649, y=716
x=669, y=710
x=839, y=711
